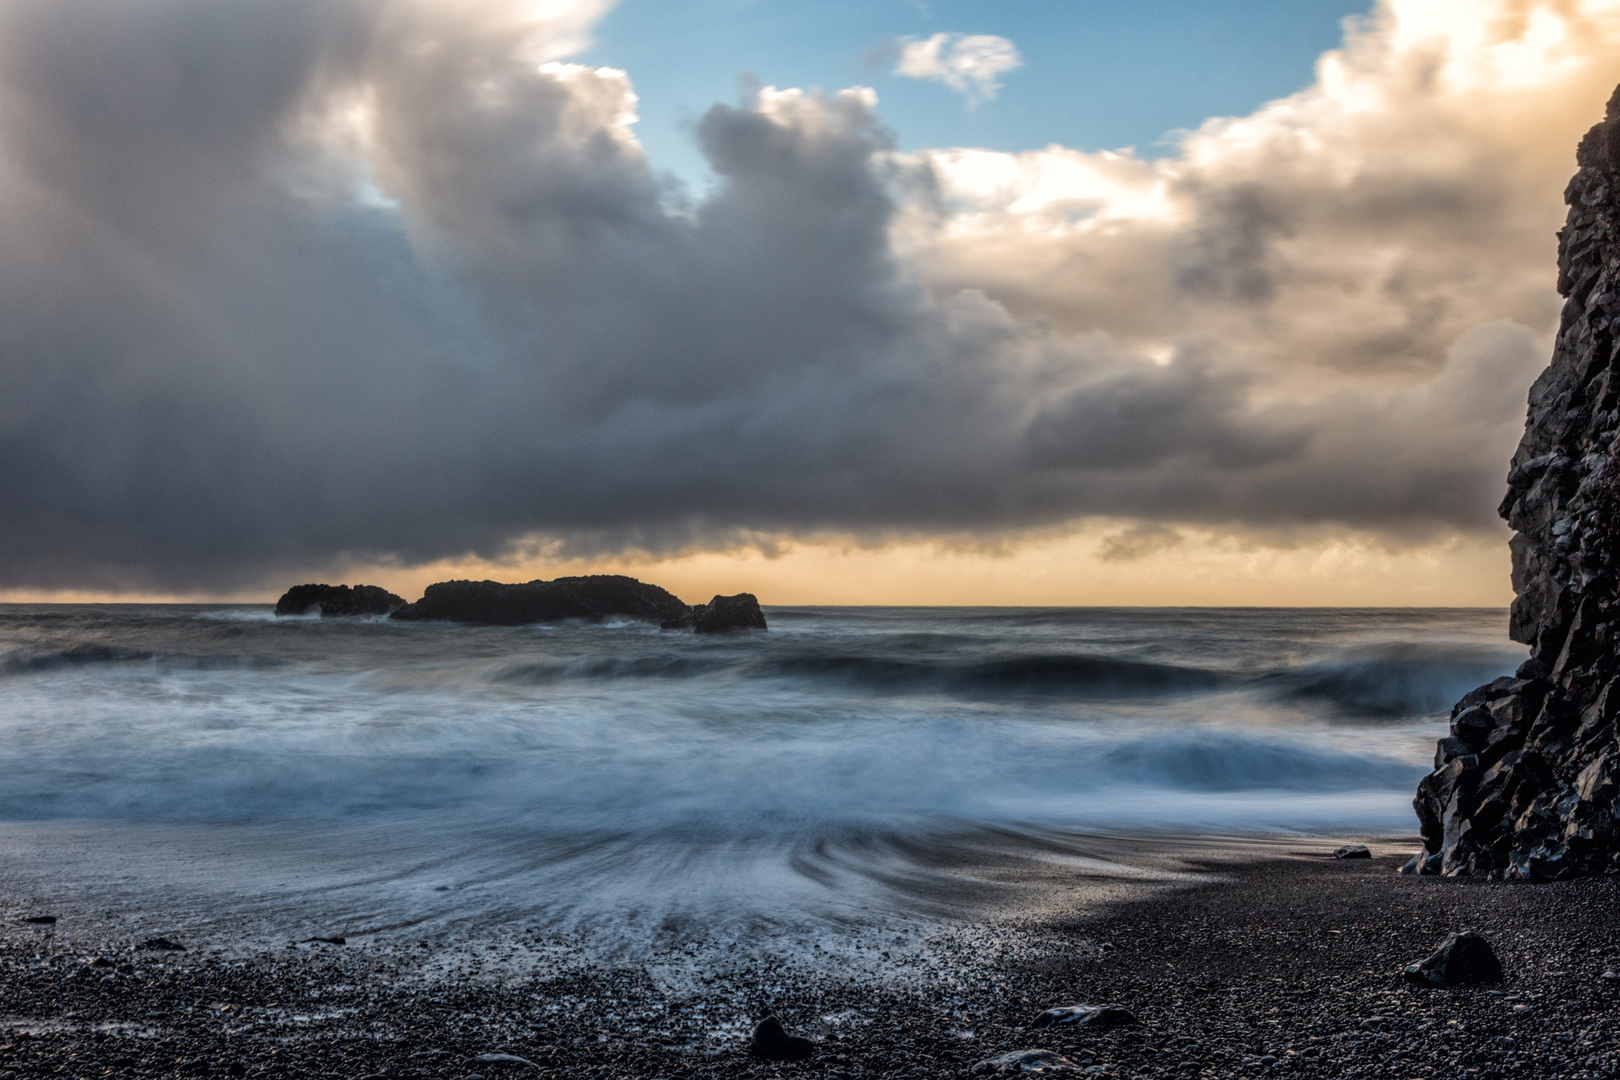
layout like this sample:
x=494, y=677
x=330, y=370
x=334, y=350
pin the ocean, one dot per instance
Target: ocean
x=227, y=766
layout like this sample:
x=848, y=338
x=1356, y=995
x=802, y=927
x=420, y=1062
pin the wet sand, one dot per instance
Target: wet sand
x=1238, y=959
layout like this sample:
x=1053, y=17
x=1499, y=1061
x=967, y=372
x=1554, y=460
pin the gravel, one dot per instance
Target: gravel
x=1279, y=964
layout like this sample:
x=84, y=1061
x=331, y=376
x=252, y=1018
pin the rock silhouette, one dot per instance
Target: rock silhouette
x=330, y=601
x=722, y=614
x=589, y=599
x=773, y=1043
x=493, y=603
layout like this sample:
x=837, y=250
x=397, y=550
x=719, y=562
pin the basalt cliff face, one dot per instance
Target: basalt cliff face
x=1525, y=785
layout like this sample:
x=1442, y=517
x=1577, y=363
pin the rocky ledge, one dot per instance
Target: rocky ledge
x=332, y=601
x=1525, y=785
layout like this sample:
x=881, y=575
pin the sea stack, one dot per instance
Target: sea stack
x=1524, y=787
x=585, y=599
x=579, y=599
x=334, y=601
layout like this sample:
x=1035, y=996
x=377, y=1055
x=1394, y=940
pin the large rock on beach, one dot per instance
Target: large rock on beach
x=1463, y=959
x=1524, y=786
x=332, y=601
x=771, y=1042
x=588, y=599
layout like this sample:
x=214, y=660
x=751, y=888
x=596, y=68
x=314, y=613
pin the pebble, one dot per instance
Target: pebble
x=1353, y=851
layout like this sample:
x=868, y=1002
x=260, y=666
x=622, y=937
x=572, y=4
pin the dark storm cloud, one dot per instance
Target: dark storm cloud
x=1149, y=415
x=290, y=281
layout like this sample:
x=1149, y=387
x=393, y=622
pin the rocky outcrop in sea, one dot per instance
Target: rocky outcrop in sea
x=1525, y=785
x=720, y=615
x=579, y=599
x=587, y=599
x=332, y=601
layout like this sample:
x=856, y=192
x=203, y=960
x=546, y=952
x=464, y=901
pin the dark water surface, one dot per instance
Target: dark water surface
x=617, y=768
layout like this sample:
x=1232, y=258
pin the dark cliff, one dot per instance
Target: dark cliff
x=1524, y=786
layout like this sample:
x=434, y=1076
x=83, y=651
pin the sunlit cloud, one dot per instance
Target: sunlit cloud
x=343, y=283
x=970, y=64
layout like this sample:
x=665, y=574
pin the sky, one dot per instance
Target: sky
x=1025, y=303
x=1091, y=75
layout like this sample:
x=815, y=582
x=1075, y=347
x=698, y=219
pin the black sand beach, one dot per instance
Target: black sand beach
x=1278, y=960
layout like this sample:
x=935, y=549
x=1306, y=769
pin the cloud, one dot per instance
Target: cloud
x=970, y=64
x=291, y=283
x=1138, y=542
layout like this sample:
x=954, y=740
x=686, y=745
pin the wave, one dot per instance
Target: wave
x=609, y=668
x=1018, y=676
x=1209, y=761
x=78, y=657
x=27, y=663
x=1398, y=679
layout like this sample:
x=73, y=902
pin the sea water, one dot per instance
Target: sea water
x=384, y=774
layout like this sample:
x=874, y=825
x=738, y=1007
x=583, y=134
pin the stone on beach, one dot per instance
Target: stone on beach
x=1096, y=1017
x=1353, y=851
x=1027, y=1062
x=772, y=1042
x=1463, y=959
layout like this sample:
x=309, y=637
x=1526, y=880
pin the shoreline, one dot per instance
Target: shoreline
x=1274, y=951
